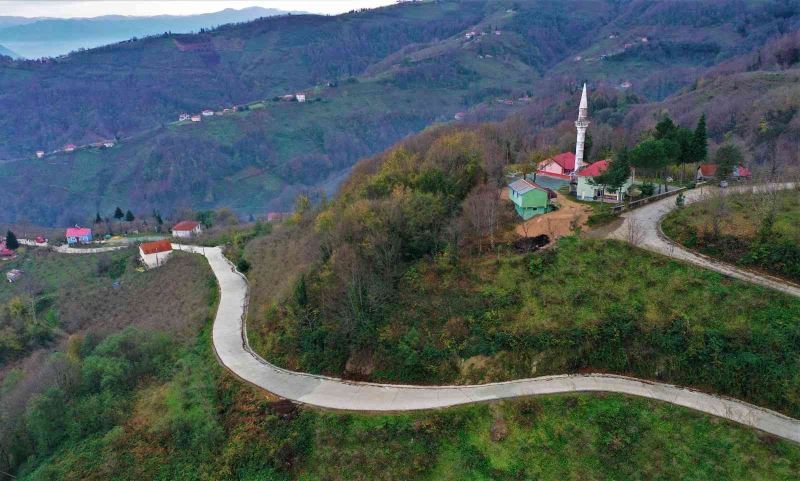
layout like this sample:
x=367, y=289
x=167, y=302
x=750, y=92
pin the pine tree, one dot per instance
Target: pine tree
x=98, y=219
x=129, y=216
x=11, y=241
x=700, y=141
x=118, y=214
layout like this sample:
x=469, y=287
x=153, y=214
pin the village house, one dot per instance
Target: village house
x=6, y=253
x=287, y=97
x=561, y=165
x=300, y=97
x=39, y=154
x=186, y=228
x=13, y=275
x=108, y=144
x=459, y=115
x=69, y=147
x=207, y=113
x=709, y=172
x=196, y=118
x=529, y=198
x=588, y=190
x=154, y=254
x=79, y=235
x=184, y=117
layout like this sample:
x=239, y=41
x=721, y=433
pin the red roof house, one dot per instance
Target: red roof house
x=69, y=147
x=594, y=169
x=562, y=164
x=709, y=171
x=154, y=254
x=186, y=228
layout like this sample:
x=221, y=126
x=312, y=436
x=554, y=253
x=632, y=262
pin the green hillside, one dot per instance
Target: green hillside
x=412, y=65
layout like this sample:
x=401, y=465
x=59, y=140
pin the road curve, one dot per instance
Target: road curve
x=646, y=221
x=231, y=346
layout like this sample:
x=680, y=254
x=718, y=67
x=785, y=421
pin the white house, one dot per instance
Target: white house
x=586, y=190
x=196, y=118
x=39, y=154
x=184, y=117
x=154, y=254
x=186, y=228
x=300, y=97
x=207, y=113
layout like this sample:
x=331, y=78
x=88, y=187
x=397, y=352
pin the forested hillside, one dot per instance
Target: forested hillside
x=373, y=76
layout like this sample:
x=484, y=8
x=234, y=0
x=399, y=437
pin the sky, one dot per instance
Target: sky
x=94, y=8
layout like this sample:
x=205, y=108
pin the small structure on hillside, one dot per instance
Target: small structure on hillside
x=13, y=275
x=184, y=117
x=196, y=118
x=39, y=154
x=300, y=97
x=40, y=240
x=79, y=235
x=154, y=254
x=5, y=252
x=108, y=144
x=69, y=147
x=530, y=199
x=186, y=228
x=587, y=190
x=709, y=172
x=207, y=113
x=561, y=165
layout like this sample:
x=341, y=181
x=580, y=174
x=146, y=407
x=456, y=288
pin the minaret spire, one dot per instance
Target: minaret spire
x=581, y=125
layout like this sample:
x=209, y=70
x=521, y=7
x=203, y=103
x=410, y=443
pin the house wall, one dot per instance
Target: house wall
x=551, y=167
x=587, y=191
x=532, y=203
x=154, y=260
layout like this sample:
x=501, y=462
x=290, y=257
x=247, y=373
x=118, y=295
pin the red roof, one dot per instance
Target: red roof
x=78, y=231
x=744, y=171
x=566, y=160
x=595, y=169
x=162, y=245
x=185, y=225
x=708, y=170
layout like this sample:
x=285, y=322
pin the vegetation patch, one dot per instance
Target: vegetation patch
x=759, y=230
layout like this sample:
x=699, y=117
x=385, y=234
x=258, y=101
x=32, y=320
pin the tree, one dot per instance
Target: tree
x=11, y=241
x=700, y=141
x=617, y=173
x=118, y=214
x=653, y=155
x=98, y=219
x=129, y=216
x=728, y=157
x=664, y=128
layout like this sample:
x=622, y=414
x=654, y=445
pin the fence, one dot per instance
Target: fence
x=638, y=203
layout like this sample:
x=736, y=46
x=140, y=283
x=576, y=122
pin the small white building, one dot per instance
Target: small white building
x=186, y=228
x=196, y=118
x=207, y=113
x=154, y=254
x=184, y=117
x=300, y=97
x=39, y=154
x=108, y=144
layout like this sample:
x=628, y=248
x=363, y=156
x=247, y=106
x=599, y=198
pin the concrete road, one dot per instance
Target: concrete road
x=232, y=349
x=644, y=226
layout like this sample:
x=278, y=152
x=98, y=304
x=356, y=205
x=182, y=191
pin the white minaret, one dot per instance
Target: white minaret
x=581, y=124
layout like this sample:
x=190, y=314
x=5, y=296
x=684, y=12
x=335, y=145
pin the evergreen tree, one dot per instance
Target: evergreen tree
x=98, y=219
x=664, y=128
x=129, y=216
x=728, y=158
x=700, y=141
x=617, y=173
x=118, y=214
x=11, y=241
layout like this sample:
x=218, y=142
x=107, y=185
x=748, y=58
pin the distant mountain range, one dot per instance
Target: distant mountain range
x=50, y=37
x=7, y=52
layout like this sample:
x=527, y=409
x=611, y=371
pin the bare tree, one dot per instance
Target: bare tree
x=481, y=211
x=634, y=234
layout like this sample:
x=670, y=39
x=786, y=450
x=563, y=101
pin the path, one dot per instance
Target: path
x=557, y=223
x=646, y=222
x=230, y=344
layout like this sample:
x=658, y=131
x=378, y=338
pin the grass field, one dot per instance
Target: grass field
x=584, y=306
x=753, y=230
x=201, y=424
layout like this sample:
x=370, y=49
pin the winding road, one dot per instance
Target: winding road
x=233, y=351
x=645, y=222
x=230, y=344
